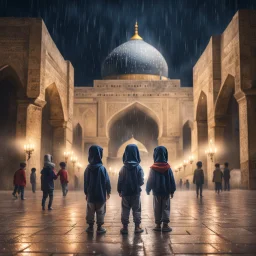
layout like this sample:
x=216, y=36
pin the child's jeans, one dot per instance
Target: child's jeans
x=161, y=209
x=128, y=203
x=21, y=188
x=64, y=188
x=47, y=193
x=99, y=208
x=16, y=190
x=33, y=187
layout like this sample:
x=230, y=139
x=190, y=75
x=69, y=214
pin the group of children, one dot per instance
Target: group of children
x=48, y=176
x=97, y=188
x=218, y=176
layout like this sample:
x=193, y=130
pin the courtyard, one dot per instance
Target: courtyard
x=222, y=224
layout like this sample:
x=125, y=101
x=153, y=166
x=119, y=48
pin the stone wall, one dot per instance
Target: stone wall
x=225, y=70
x=168, y=104
x=27, y=48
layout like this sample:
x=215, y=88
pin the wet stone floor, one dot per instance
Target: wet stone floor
x=216, y=225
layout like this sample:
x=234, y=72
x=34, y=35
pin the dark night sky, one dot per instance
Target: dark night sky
x=85, y=31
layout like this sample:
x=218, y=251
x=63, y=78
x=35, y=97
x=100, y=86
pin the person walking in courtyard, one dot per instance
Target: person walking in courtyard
x=130, y=180
x=198, y=179
x=63, y=173
x=181, y=184
x=187, y=184
x=217, y=178
x=97, y=189
x=19, y=181
x=33, y=179
x=161, y=182
x=48, y=176
x=226, y=176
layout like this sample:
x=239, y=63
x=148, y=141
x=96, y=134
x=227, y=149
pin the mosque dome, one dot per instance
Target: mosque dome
x=135, y=60
x=141, y=147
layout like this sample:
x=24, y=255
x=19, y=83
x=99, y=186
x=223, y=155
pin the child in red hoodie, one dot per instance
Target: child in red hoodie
x=19, y=181
x=162, y=183
x=63, y=173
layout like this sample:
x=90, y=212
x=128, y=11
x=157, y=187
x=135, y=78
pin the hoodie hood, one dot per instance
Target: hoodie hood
x=160, y=159
x=131, y=157
x=95, y=155
x=48, y=161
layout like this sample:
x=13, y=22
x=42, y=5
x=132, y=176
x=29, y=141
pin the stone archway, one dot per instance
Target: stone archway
x=202, y=129
x=227, y=124
x=12, y=94
x=53, y=125
x=133, y=121
x=186, y=135
x=78, y=140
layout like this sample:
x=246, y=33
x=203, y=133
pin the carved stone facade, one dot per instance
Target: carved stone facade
x=224, y=87
x=165, y=102
x=37, y=87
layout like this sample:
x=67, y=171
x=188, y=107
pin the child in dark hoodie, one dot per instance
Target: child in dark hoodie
x=131, y=178
x=162, y=183
x=48, y=176
x=97, y=189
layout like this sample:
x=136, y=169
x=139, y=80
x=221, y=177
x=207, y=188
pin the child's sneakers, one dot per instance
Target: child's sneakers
x=157, y=227
x=89, y=229
x=101, y=230
x=166, y=228
x=124, y=230
x=138, y=229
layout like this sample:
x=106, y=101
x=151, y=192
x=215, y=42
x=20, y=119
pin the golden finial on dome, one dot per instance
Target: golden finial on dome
x=136, y=34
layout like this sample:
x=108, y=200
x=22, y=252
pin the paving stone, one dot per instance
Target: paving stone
x=211, y=226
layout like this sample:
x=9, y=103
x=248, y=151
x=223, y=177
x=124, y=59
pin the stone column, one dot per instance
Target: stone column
x=33, y=135
x=247, y=126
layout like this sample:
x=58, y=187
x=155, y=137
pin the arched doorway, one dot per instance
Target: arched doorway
x=10, y=156
x=186, y=131
x=227, y=125
x=78, y=140
x=133, y=122
x=53, y=134
x=202, y=130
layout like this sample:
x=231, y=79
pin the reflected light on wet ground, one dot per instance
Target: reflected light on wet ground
x=217, y=224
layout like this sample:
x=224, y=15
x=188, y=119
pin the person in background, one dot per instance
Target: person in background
x=217, y=178
x=33, y=179
x=161, y=182
x=226, y=176
x=63, y=173
x=198, y=179
x=187, y=184
x=97, y=189
x=130, y=180
x=180, y=183
x=48, y=176
x=19, y=181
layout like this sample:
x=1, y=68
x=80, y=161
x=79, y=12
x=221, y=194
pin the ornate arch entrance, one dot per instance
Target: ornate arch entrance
x=133, y=122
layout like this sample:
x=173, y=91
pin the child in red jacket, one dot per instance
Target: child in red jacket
x=19, y=181
x=63, y=173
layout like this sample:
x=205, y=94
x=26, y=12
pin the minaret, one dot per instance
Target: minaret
x=136, y=34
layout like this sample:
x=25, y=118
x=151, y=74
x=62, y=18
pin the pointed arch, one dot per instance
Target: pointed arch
x=225, y=94
x=201, y=111
x=52, y=95
x=128, y=108
x=187, y=135
x=78, y=139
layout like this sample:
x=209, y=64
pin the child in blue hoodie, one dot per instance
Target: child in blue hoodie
x=162, y=183
x=97, y=189
x=48, y=176
x=131, y=178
